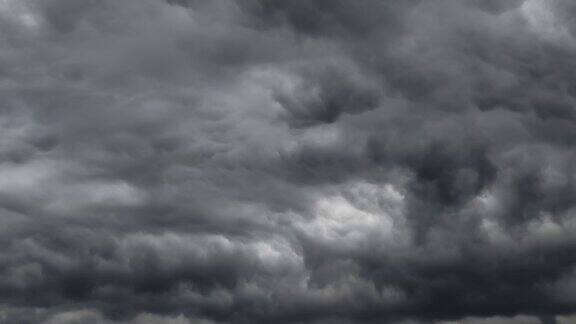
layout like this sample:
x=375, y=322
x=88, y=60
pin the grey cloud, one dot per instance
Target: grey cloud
x=325, y=93
x=287, y=161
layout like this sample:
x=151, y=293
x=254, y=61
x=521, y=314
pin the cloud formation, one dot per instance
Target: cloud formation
x=299, y=161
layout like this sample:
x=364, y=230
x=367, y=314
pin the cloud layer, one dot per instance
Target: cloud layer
x=300, y=161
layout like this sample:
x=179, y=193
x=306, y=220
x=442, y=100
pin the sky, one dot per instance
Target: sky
x=287, y=161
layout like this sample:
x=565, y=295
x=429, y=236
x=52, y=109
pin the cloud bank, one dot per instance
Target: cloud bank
x=299, y=161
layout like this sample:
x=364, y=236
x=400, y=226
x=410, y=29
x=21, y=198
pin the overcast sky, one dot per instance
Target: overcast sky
x=287, y=161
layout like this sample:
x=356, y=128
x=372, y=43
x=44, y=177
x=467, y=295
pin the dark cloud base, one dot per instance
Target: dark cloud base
x=300, y=161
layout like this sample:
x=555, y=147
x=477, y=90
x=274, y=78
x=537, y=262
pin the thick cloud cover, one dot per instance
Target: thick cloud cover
x=287, y=161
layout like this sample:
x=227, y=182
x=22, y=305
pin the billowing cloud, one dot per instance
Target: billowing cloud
x=300, y=161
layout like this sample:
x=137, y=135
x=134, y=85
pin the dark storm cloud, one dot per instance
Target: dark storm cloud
x=287, y=161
